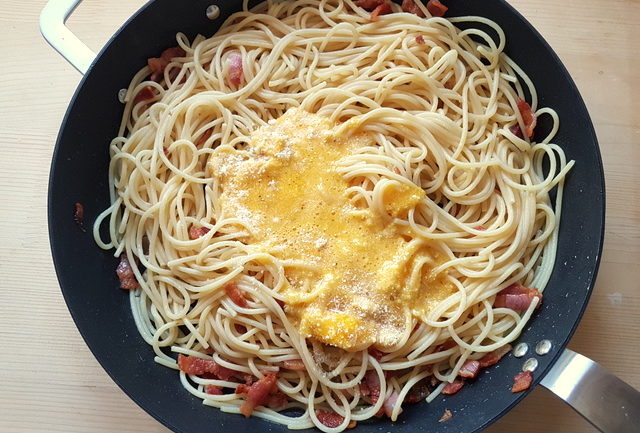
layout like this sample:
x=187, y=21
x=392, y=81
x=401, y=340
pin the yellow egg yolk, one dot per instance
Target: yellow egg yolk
x=355, y=278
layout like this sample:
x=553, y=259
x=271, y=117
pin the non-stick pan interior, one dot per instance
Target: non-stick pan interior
x=101, y=310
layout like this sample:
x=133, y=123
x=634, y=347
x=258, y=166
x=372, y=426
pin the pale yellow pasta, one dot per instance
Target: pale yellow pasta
x=440, y=104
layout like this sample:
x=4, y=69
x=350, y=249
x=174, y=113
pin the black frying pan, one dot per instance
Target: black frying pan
x=101, y=310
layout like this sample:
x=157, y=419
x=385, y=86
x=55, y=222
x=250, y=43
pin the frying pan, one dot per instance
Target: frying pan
x=101, y=311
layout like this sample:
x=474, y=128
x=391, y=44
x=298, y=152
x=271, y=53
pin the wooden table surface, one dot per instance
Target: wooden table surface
x=50, y=382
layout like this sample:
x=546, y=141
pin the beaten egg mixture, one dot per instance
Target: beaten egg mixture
x=355, y=278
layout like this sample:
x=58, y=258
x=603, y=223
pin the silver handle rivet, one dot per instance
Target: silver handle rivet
x=543, y=347
x=520, y=350
x=213, y=12
x=530, y=364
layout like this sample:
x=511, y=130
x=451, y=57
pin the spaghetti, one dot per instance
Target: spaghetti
x=433, y=150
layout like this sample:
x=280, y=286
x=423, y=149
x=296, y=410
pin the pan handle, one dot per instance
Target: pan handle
x=604, y=400
x=52, y=26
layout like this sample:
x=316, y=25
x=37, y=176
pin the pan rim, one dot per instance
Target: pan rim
x=161, y=417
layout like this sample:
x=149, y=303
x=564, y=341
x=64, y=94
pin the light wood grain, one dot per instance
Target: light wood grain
x=49, y=380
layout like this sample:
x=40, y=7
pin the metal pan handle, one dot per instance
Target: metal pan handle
x=52, y=26
x=604, y=400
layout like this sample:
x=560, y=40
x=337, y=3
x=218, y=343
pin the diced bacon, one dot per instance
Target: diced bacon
x=277, y=400
x=294, y=364
x=235, y=72
x=389, y=403
x=240, y=328
x=517, y=297
x=383, y=9
x=197, y=232
x=213, y=389
x=200, y=366
x=204, y=137
x=528, y=117
x=492, y=358
x=165, y=150
x=332, y=419
x=446, y=416
x=419, y=391
x=522, y=381
x=375, y=353
x=517, y=289
x=453, y=387
x=370, y=386
x=173, y=52
x=420, y=40
x=446, y=345
x=247, y=378
x=369, y=5
x=411, y=7
x=144, y=94
x=157, y=65
x=78, y=216
x=515, y=130
x=481, y=228
x=210, y=376
x=236, y=295
x=470, y=369
x=516, y=302
x=436, y=9
x=257, y=394
x=125, y=274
